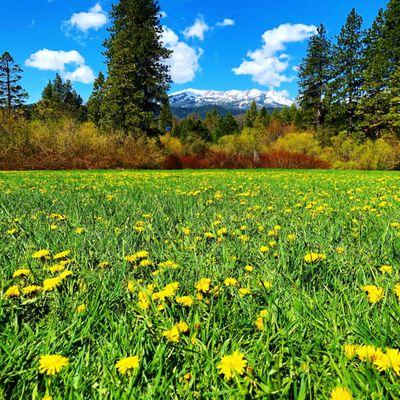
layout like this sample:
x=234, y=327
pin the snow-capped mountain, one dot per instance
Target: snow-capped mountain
x=230, y=100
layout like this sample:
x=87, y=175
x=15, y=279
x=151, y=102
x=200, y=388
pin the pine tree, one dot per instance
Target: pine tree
x=263, y=118
x=165, y=119
x=11, y=93
x=314, y=75
x=382, y=60
x=251, y=116
x=393, y=116
x=374, y=104
x=345, y=88
x=60, y=99
x=94, y=104
x=137, y=75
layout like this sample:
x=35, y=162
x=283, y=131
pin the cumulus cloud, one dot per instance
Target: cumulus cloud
x=95, y=18
x=225, y=22
x=184, y=61
x=51, y=60
x=267, y=65
x=83, y=74
x=197, y=30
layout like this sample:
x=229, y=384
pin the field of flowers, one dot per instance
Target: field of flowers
x=200, y=285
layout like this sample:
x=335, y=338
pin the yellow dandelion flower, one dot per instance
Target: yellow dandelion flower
x=374, y=293
x=368, y=353
x=47, y=397
x=186, y=301
x=249, y=268
x=63, y=254
x=244, y=291
x=172, y=335
x=79, y=230
x=341, y=393
x=21, y=272
x=51, y=283
x=57, y=268
x=267, y=284
x=31, y=289
x=232, y=365
x=397, y=290
x=131, y=286
x=182, y=326
x=291, y=237
x=350, y=350
x=264, y=249
x=41, y=254
x=394, y=358
x=137, y=256
x=126, y=365
x=386, y=269
x=52, y=364
x=230, y=282
x=144, y=301
x=65, y=274
x=12, y=291
x=81, y=308
x=314, y=257
x=203, y=285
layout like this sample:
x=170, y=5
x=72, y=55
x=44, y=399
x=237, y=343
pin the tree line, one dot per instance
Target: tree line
x=349, y=94
x=352, y=83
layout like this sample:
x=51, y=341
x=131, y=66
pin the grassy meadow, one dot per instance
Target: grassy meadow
x=200, y=285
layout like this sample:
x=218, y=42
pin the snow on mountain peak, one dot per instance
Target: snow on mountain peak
x=231, y=99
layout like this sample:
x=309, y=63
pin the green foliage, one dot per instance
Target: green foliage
x=303, y=143
x=137, y=75
x=314, y=75
x=59, y=100
x=12, y=95
x=348, y=63
x=211, y=225
x=251, y=115
x=94, y=104
x=165, y=120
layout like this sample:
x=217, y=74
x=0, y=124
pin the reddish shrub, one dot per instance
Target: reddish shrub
x=276, y=159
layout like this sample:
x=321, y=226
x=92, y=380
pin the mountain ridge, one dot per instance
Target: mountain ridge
x=241, y=99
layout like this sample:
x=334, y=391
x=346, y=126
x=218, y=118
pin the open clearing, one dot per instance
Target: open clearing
x=282, y=269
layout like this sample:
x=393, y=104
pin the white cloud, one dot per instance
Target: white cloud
x=225, y=22
x=268, y=64
x=83, y=74
x=184, y=61
x=51, y=60
x=95, y=18
x=197, y=30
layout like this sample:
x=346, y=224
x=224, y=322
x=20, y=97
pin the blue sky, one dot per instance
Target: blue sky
x=218, y=44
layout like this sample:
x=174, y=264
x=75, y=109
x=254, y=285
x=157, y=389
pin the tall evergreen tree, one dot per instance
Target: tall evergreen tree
x=11, y=93
x=251, y=116
x=263, y=118
x=94, y=104
x=137, y=75
x=374, y=104
x=165, y=119
x=383, y=58
x=393, y=116
x=345, y=88
x=314, y=75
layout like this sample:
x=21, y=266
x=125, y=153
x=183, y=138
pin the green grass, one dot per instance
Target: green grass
x=313, y=309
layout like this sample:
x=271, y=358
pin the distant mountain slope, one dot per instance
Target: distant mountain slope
x=188, y=101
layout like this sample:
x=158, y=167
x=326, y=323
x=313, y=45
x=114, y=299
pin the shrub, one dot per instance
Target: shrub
x=302, y=143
